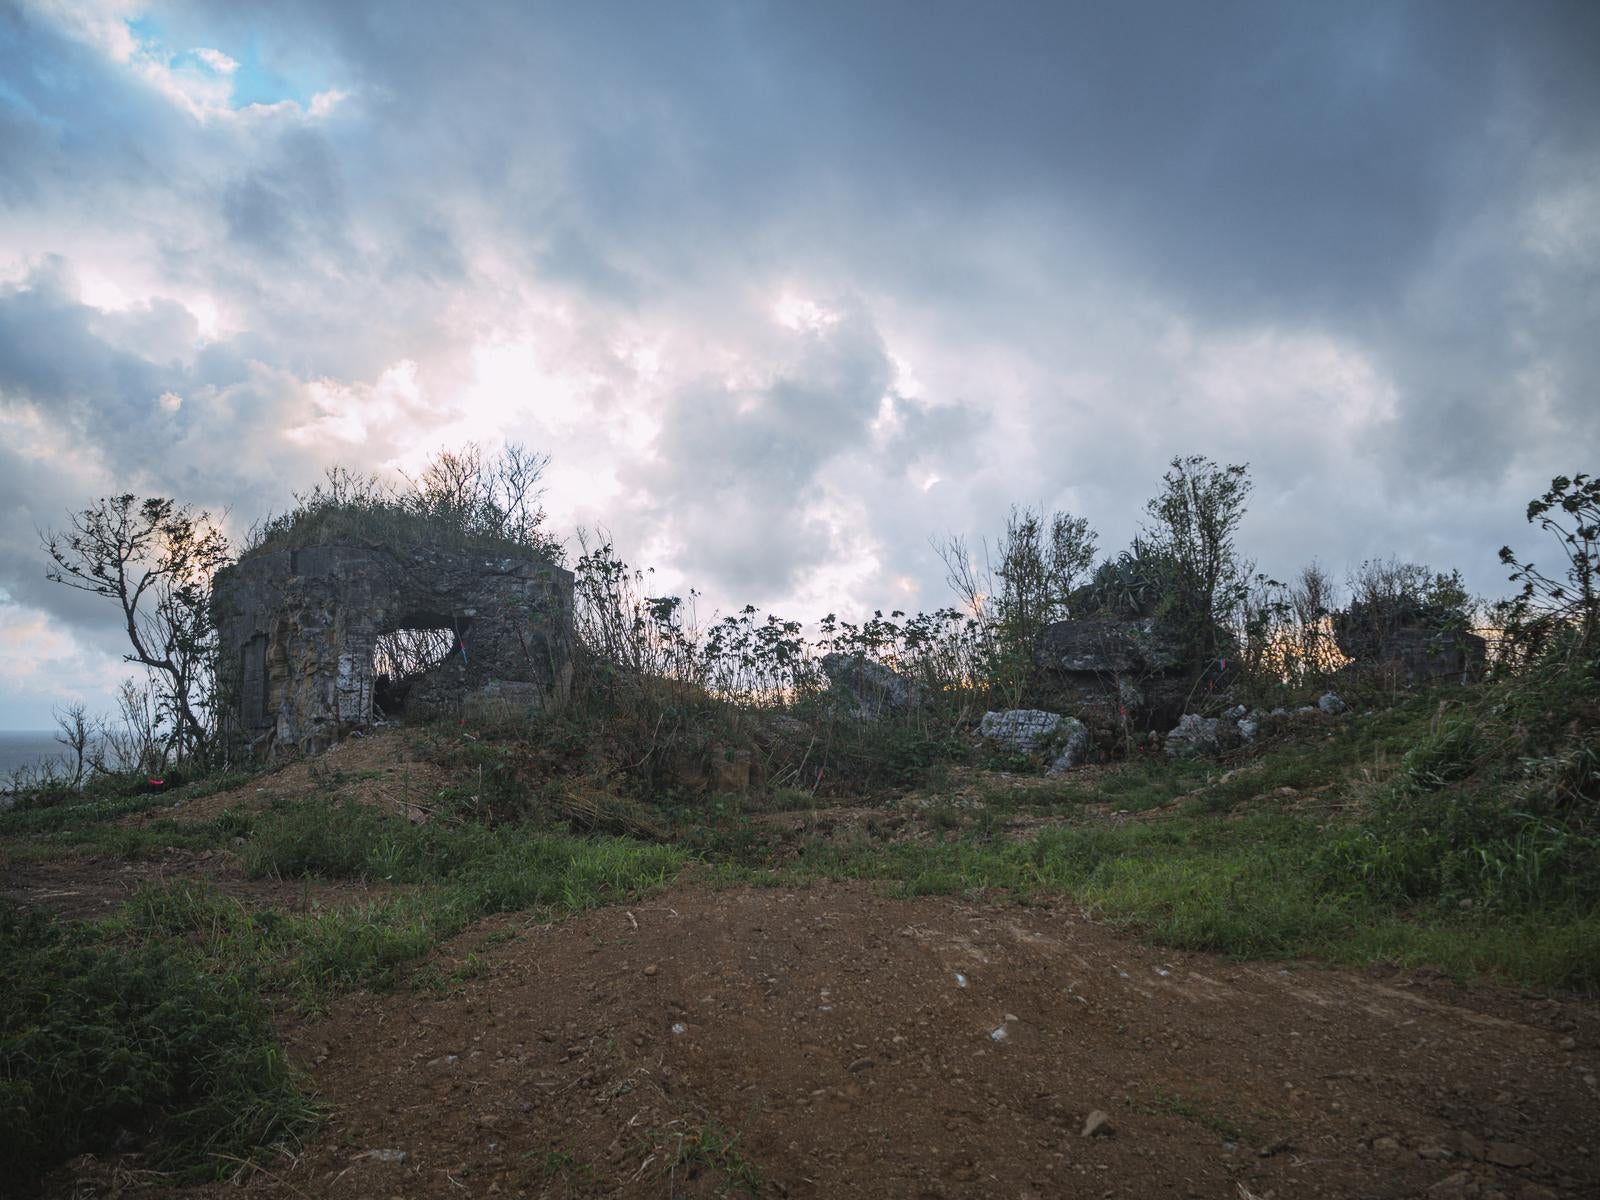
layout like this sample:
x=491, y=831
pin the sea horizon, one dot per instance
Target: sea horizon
x=23, y=748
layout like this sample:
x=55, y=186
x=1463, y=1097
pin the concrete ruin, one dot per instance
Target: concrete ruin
x=1411, y=655
x=300, y=632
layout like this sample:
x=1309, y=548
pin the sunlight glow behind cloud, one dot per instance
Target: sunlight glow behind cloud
x=773, y=347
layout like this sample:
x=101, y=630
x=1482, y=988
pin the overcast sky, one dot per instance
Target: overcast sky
x=785, y=288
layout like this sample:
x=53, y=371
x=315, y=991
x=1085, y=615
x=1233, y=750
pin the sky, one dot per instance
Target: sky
x=786, y=289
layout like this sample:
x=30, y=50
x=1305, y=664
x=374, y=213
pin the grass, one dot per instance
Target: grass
x=67, y=816
x=152, y=1026
x=148, y=841
x=1259, y=886
x=454, y=876
x=711, y=1149
x=109, y=1046
x=1190, y=1110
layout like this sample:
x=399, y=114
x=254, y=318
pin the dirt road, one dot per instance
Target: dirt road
x=833, y=1042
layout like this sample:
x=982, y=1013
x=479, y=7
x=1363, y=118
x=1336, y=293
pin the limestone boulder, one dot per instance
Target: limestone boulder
x=1072, y=746
x=873, y=689
x=1195, y=735
x=1115, y=671
x=1023, y=730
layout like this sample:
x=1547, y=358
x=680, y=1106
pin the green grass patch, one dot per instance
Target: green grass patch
x=147, y=841
x=454, y=875
x=714, y=1151
x=105, y=1045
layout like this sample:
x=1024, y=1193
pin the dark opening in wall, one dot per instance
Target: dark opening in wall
x=400, y=656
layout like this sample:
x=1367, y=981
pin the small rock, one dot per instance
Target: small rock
x=1507, y=1154
x=1567, y=1043
x=998, y=1034
x=1277, y=1147
x=384, y=1156
x=1386, y=1145
x=1451, y=1187
x=678, y=1027
x=1433, y=1152
x=1465, y=1144
x=652, y=969
x=1192, y=735
x=860, y=1064
x=1098, y=1124
x=1534, y=1191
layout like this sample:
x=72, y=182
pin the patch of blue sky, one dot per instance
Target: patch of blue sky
x=254, y=81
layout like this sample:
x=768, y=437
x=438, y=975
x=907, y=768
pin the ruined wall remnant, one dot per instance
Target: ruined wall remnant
x=1414, y=653
x=299, y=630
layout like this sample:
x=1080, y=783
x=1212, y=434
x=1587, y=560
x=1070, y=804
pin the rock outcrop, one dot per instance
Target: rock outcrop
x=874, y=689
x=1021, y=729
x=299, y=630
x=1116, y=669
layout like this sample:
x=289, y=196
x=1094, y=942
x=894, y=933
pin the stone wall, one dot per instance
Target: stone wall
x=298, y=630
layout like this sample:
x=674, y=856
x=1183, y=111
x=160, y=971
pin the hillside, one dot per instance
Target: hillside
x=924, y=990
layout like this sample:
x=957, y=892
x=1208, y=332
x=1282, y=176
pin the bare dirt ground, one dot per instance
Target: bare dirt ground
x=834, y=1042
x=384, y=770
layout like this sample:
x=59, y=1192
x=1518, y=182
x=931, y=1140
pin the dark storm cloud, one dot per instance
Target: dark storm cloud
x=51, y=358
x=292, y=205
x=1260, y=152
x=1347, y=243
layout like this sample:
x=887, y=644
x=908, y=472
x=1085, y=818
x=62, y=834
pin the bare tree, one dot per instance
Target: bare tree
x=1025, y=581
x=135, y=742
x=75, y=734
x=495, y=496
x=155, y=559
x=1312, y=600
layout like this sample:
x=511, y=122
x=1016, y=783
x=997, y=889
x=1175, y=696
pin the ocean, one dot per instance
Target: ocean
x=26, y=748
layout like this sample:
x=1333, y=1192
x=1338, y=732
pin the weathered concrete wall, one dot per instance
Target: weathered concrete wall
x=298, y=630
x=1415, y=654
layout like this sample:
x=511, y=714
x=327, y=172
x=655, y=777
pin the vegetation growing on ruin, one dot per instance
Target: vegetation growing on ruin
x=460, y=498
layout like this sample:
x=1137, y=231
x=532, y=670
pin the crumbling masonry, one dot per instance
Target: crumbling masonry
x=298, y=631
